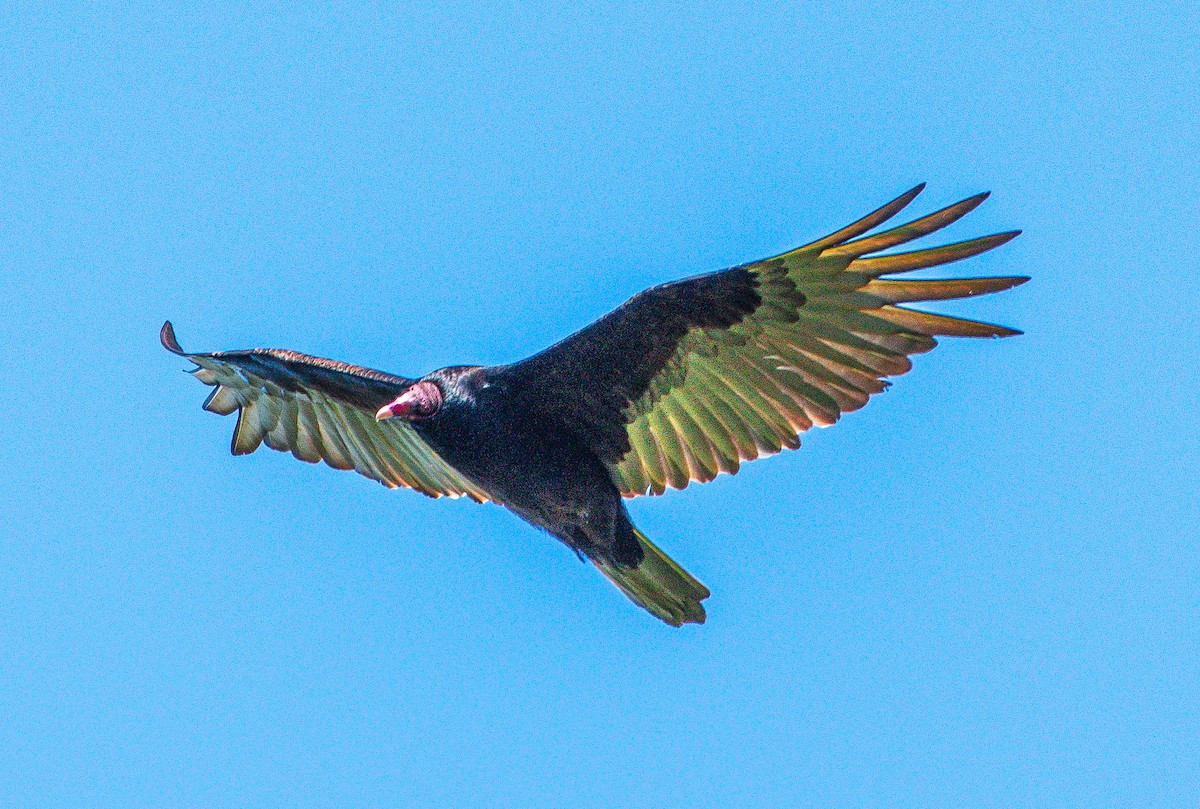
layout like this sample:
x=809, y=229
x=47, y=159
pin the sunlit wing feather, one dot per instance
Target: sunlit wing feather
x=703, y=374
x=826, y=333
x=322, y=410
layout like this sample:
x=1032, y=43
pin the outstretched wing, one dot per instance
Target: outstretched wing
x=321, y=410
x=688, y=379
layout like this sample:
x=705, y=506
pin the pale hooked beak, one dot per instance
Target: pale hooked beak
x=391, y=410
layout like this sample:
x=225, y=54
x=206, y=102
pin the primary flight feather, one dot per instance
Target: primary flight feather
x=682, y=382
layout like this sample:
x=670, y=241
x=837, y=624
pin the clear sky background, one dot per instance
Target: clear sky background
x=981, y=590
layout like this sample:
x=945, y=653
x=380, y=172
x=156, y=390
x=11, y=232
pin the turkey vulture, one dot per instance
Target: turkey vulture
x=682, y=382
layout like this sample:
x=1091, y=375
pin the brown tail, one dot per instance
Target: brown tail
x=659, y=585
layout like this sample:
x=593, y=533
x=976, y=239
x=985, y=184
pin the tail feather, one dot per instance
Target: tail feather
x=659, y=585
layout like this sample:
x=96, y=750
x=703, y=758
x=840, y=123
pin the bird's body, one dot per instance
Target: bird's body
x=485, y=431
x=684, y=381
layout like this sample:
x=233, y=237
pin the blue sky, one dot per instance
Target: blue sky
x=981, y=590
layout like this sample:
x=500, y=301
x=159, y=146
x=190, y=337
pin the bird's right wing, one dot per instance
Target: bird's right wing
x=689, y=379
x=322, y=410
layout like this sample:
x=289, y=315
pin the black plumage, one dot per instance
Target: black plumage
x=684, y=381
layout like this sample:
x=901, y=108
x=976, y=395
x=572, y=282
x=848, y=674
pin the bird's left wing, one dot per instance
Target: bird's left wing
x=689, y=379
x=321, y=410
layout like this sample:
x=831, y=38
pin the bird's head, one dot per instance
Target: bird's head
x=426, y=398
x=421, y=401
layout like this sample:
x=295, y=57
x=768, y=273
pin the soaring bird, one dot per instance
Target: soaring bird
x=684, y=381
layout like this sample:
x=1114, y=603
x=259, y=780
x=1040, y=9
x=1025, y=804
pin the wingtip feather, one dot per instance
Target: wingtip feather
x=907, y=232
x=935, y=325
x=866, y=223
x=900, y=291
x=166, y=336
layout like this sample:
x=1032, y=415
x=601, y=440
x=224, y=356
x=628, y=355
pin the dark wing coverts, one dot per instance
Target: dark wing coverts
x=689, y=379
x=321, y=410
